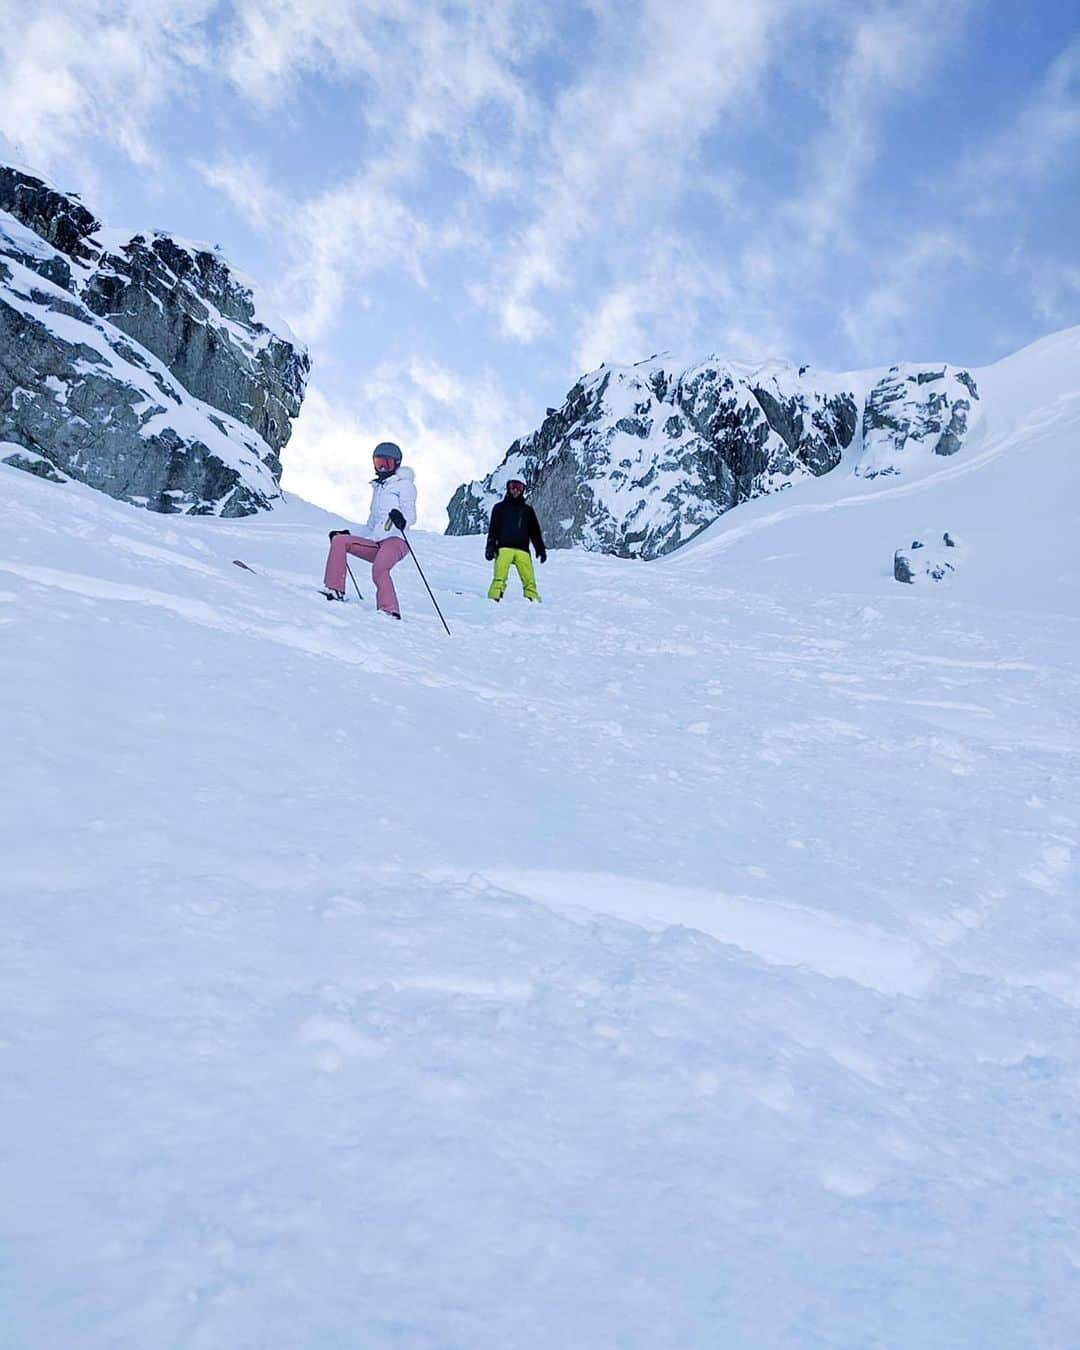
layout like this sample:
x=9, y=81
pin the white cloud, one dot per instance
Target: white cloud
x=427, y=73
x=905, y=283
x=627, y=142
x=1053, y=285
x=890, y=50
x=1040, y=142
x=625, y=138
x=427, y=67
x=272, y=43
x=615, y=331
x=677, y=299
x=436, y=84
x=332, y=242
x=245, y=185
x=343, y=236
x=79, y=75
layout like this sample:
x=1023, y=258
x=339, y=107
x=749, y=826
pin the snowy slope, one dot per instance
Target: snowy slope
x=691, y=961
x=1008, y=499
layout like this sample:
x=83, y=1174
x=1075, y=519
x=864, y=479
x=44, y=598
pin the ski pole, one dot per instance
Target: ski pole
x=353, y=579
x=423, y=578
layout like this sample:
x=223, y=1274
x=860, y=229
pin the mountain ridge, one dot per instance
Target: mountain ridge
x=640, y=459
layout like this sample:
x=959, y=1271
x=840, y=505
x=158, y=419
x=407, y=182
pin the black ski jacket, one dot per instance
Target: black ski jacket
x=514, y=525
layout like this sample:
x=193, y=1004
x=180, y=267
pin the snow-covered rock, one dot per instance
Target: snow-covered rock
x=182, y=302
x=30, y=462
x=639, y=459
x=140, y=367
x=60, y=218
x=916, y=410
x=932, y=560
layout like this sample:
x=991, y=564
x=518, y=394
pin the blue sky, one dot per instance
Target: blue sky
x=461, y=207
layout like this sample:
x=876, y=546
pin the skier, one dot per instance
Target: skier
x=381, y=541
x=513, y=527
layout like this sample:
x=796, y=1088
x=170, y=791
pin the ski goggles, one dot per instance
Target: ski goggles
x=384, y=463
x=516, y=483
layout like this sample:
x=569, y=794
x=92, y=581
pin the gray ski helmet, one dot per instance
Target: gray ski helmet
x=387, y=449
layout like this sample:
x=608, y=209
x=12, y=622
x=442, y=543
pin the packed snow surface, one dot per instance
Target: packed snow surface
x=692, y=960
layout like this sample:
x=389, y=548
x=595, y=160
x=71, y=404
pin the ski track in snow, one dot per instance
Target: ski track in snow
x=692, y=960
x=785, y=935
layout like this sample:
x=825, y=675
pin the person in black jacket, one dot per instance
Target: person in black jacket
x=513, y=528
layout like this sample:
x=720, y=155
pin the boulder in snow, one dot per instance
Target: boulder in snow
x=925, y=560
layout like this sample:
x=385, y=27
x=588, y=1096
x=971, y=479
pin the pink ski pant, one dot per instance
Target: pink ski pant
x=382, y=554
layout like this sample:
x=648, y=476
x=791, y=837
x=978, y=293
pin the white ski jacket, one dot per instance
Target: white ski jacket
x=399, y=490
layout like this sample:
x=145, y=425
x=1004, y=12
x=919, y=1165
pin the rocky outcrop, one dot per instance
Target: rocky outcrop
x=913, y=410
x=57, y=217
x=932, y=560
x=183, y=304
x=141, y=369
x=26, y=460
x=640, y=459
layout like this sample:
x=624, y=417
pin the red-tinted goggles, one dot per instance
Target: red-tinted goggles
x=516, y=483
x=383, y=462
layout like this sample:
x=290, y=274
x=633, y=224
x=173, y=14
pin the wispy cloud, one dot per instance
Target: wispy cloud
x=1040, y=141
x=438, y=85
x=627, y=143
x=888, y=52
x=426, y=67
x=658, y=304
x=94, y=72
x=332, y=242
x=624, y=137
x=906, y=278
x=1051, y=283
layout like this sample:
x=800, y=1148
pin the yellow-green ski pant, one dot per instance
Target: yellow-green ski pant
x=522, y=560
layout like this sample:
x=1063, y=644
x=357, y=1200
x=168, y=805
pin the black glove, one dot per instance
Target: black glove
x=490, y=552
x=542, y=554
x=397, y=519
x=333, y=532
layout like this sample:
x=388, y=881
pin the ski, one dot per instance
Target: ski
x=292, y=585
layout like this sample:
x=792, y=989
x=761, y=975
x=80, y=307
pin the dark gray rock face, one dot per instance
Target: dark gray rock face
x=815, y=427
x=185, y=306
x=142, y=371
x=915, y=409
x=640, y=459
x=59, y=218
